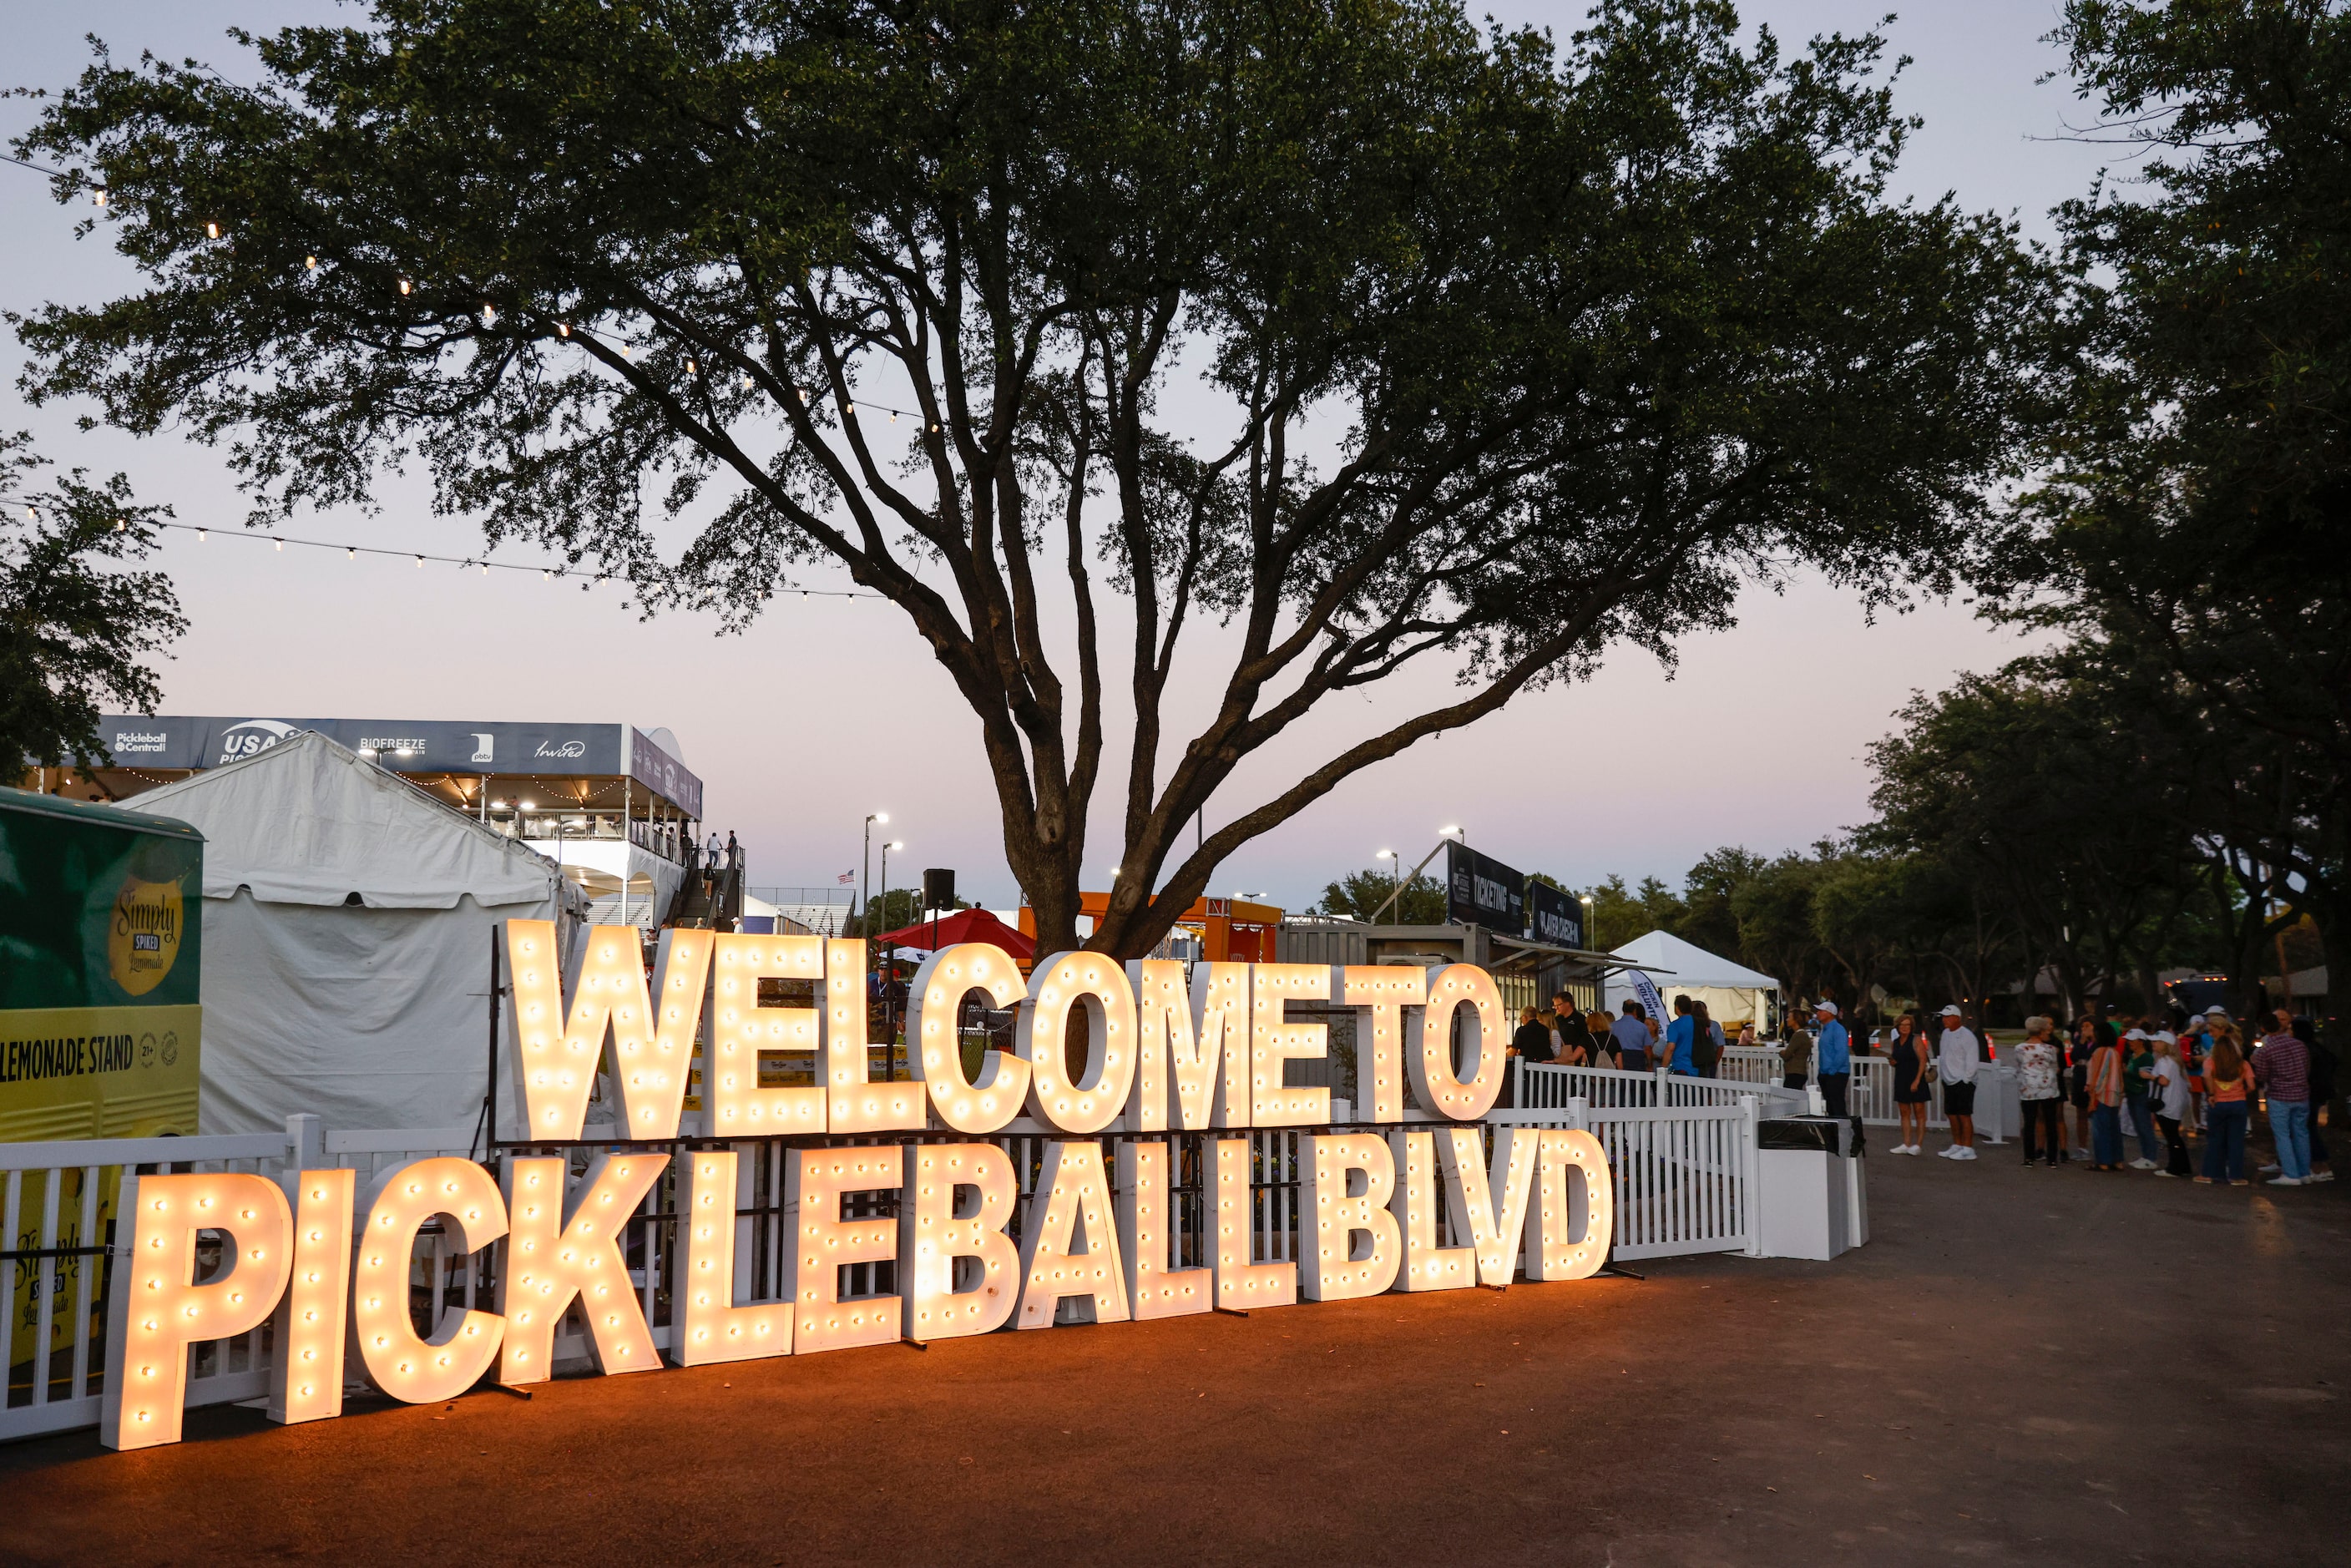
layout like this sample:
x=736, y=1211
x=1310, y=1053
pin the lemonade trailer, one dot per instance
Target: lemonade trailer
x=100, y=940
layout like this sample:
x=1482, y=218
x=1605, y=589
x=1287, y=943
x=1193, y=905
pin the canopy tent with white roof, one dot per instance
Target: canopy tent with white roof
x=347, y=923
x=1733, y=993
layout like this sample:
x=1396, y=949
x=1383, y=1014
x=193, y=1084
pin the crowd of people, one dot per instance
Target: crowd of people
x=2086, y=1091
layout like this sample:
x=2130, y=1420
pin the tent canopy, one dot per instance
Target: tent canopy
x=964, y=926
x=1733, y=993
x=347, y=924
x=1691, y=966
x=308, y=822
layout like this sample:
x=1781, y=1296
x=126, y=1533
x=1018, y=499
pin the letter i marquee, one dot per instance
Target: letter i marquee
x=1135, y=1129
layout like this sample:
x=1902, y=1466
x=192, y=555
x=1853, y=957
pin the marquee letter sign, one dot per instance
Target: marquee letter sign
x=1152, y=1155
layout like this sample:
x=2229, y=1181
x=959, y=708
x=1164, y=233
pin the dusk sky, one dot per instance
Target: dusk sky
x=828, y=708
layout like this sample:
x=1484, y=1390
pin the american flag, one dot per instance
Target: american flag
x=847, y=877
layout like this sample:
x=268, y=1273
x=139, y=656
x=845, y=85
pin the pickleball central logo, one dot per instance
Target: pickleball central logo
x=143, y=935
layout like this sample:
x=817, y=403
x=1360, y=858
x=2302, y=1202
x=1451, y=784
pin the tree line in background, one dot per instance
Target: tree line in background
x=2164, y=783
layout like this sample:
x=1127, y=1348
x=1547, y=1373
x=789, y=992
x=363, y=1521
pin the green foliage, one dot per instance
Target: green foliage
x=1361, y=895
x=2188, y=542
x=1619, y=913
x=1591, y=335
x=75, y=626
x=893, y=910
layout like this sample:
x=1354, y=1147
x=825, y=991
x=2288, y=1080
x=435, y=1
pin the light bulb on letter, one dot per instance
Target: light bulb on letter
x=472, y=1214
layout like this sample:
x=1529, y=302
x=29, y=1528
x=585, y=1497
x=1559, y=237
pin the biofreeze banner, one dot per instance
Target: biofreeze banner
x=1166, y=1054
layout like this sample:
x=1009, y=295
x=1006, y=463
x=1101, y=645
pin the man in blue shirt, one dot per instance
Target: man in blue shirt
x=1632, y=1036
x=1836, y=1058
x=1681, y=1035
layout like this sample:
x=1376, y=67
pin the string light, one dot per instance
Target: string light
x=311, y=264
x=98, y=195
x=489, y=316
x=352, y=552
x=403, y=286
x=212, y=231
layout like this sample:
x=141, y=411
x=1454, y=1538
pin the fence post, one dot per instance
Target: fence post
x=306, y=1141
x=1751, y=1135
x=1579, y=1117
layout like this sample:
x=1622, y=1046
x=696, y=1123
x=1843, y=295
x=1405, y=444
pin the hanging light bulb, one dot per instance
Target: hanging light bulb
x=98, y=195
x=419, y=563
x=746, y=380
x=281, y=547
x=489, y=316
x=690, y=370
x=212, y=231
x=803, y=395
x=351, y=555
x=309, y=263
x=847, y=408
x=894, y=416
x=121, y=525
x=486, y=569
x=32, y=514
x=563, y=328
x=546, y=576
x=202, y=534
x=403, y=286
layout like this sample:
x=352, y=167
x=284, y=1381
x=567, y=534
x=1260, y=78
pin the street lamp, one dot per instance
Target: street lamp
x=865, y=870
x=1404, y=881
x=875, y=956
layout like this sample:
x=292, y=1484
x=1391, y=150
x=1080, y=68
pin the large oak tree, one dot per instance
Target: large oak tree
x=1506, y=352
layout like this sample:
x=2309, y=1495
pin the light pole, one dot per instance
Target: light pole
x=1586, y=899
x=893, y=844
x=1404, y=881
x=865, y=870
x=889, y=1011
x=1387, y=855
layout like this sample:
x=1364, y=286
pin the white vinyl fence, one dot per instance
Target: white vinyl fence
x=1685, y=1175
x=1870, y=1095
x=57, y=1203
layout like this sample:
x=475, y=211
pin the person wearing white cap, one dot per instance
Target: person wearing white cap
x=1836, y=1057
x=1955, y=1064
x=2139, y=1083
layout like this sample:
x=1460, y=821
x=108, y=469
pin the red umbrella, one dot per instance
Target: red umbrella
x=963, y=926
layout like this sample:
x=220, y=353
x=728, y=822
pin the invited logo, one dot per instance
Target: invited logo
x=568, y=749
x=143, y=935
x=251, y=739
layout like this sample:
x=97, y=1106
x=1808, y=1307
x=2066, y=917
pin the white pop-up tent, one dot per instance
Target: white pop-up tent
x=347, y=924
x=1733, y=993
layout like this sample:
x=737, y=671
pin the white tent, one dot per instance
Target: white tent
x=347, y=923
x=1733, y=992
